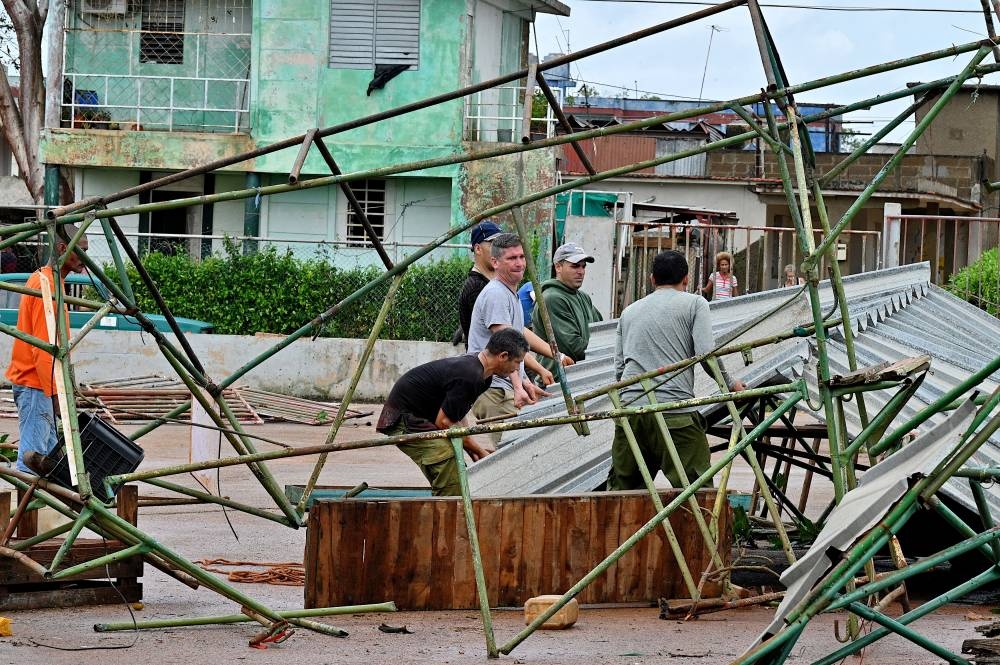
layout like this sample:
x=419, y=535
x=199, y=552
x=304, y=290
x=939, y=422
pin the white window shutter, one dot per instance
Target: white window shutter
x=397, y=32
x=365, y=33
x=352, y=34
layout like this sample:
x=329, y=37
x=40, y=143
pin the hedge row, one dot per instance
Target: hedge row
x=275, y=292
x=979, y=283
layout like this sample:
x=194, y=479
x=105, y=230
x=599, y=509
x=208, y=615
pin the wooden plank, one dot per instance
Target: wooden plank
x=349, y=555
x=370, y=582
x=421, y=546
x=444, y=564
x=83, y=550
x=604, y=512
x=398, y=546
x=463, y=586
x=560, y=544
x=417, y=551
x=489, y=519
x=553, y=549
x=315, y=563
x=510, y=586
x=5, y=509
x=404, y=559
x=127, y=503
x=631, y=565
x=660, y=565
x=75, y=597
x=535, y=531
x=27, y=526
x=579, y=559
x=982, y=650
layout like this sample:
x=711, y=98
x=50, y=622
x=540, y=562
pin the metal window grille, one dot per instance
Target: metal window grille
x=371, y=196
x=162, y=38
x=113, y=78
x=366, y=33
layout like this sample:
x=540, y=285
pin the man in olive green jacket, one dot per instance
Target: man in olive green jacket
x=570, y=309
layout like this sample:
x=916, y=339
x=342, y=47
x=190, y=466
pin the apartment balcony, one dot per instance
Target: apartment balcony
x=497, y=116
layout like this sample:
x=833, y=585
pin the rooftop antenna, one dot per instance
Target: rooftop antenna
x=713, y=29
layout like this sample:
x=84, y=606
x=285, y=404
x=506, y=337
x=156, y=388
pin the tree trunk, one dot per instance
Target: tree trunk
x=23, y=119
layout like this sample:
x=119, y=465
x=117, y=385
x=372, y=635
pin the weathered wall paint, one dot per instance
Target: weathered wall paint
x=97, y=182
x=141, y=150
x=490, y=182
x=301, y=91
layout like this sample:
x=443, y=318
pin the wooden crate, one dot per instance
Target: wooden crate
x=21, y=588
x=416, y=551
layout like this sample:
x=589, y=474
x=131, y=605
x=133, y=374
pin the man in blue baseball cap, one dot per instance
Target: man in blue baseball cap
x=480, y=273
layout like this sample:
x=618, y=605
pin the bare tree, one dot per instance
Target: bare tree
x=9, y=60
x=24, y=117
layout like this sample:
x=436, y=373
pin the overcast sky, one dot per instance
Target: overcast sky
x=812, y=43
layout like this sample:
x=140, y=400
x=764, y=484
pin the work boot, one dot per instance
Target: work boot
x=41, y=464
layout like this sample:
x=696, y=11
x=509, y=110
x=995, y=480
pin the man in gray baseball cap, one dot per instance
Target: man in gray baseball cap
x=573, y=253
x=571, y=311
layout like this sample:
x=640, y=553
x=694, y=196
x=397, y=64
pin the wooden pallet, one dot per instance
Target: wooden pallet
x=144, y=398
x=294, y=409
x=416, y=551
x=21, y=588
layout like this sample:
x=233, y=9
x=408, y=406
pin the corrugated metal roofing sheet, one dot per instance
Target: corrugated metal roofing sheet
x=896, y=313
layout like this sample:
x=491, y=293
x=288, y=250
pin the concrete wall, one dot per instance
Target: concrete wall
x=965, y=126
x=737, y=197
x=943, y=174
x=320, y=368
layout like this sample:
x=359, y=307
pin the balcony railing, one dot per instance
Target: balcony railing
x=497, y=115
x=124, y=71
x=163, y=103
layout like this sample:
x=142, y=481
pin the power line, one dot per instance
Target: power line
x=820, y=8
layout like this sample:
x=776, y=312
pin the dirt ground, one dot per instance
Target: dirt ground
x=612, y=636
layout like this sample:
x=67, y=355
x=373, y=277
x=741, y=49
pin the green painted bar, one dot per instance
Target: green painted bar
x=904, y=631
x=987, y=577
x=647, y=480
x=345, y=402
x=99, y=562
x=897, y=157
x=477, y=559
x=652, y=523
x=455, y=431
x=71, y=537
x=242, y=618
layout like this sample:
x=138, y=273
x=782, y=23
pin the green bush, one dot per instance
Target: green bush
x=979, y=283
x=272, y=291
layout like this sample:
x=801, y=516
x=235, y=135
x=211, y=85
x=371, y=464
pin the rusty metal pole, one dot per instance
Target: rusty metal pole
x=543, y=311
x=349, y=394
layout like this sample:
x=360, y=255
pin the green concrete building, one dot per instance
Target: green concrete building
x=152, y=87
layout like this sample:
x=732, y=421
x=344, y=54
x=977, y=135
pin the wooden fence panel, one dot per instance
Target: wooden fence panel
x=416, y=551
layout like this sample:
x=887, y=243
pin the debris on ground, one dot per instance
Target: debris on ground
x=289, y=573
x=141, y=399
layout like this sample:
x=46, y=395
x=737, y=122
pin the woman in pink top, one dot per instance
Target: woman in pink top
x=722, y=284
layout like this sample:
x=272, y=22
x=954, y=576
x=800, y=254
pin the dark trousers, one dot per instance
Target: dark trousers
x=687, y=430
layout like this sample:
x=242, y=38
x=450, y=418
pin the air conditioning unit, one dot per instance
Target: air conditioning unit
x=105, y=7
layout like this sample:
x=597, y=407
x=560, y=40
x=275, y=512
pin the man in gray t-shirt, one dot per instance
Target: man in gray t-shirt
x=498, y=307
x=667, y=326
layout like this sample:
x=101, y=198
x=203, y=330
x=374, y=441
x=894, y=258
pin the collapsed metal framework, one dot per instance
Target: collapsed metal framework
x=803, y=191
